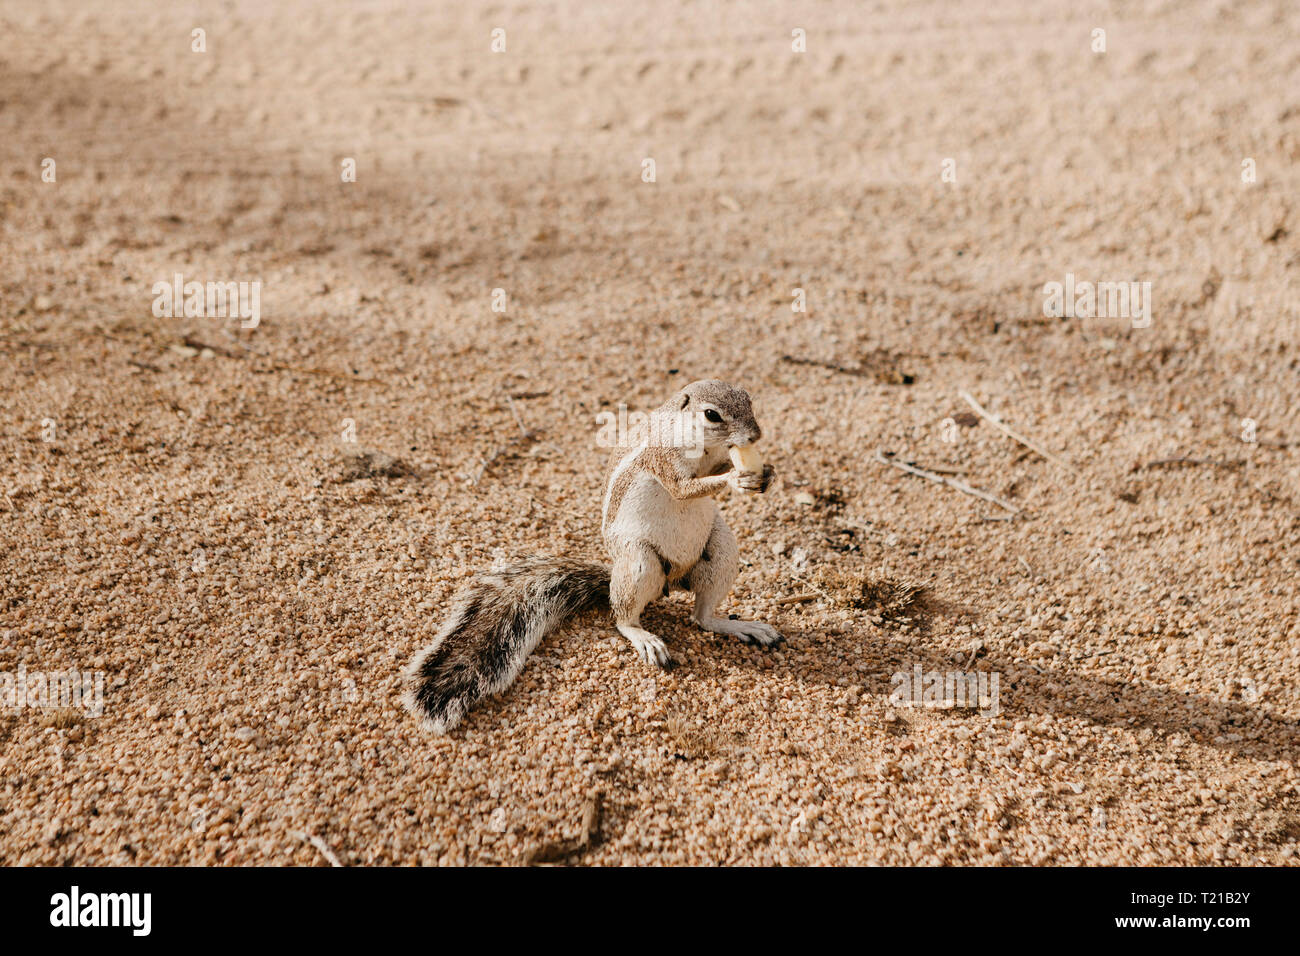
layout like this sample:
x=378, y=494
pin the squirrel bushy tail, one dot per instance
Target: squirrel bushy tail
x=495, y=624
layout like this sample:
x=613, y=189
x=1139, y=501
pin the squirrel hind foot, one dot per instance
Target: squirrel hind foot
x=649, y=647
x=749, y=632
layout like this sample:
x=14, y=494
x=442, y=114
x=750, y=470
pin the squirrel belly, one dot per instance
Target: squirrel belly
x=496, y=623
x=648, y=516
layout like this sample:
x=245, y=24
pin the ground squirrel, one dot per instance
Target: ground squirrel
x=662, y=529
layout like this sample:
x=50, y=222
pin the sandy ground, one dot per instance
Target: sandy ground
x=179, y=512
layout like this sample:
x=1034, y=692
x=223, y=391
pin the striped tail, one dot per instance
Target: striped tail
x=495, y=624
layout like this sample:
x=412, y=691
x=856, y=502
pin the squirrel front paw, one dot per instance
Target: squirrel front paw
x=751, y=482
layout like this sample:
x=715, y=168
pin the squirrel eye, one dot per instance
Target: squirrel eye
x=712, y=416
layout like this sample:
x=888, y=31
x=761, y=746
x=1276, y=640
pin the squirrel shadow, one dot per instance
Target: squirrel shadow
x=1025, y=689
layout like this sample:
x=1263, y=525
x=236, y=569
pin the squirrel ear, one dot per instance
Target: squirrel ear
x=686, y=400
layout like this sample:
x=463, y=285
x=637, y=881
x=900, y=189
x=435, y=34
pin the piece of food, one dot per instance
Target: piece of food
x=747, y=459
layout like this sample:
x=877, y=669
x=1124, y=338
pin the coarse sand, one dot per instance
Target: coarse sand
x=248, y=531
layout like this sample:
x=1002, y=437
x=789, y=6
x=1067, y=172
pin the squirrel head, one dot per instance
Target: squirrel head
x=723, y=412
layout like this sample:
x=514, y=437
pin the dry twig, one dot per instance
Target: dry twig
x=1012, y=433
x=319, y=844
x=1160, y=462
x=950, y=482
x=561, y=850
x=798, y=598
